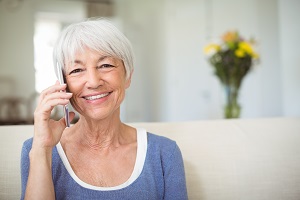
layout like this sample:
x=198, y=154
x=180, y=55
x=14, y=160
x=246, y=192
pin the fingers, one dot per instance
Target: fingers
x=56, y=98
x=55, y=88
x=50, y=98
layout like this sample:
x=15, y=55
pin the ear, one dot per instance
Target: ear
x=128, y=81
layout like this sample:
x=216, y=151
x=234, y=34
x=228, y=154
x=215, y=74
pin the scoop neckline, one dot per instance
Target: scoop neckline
x=138, y=166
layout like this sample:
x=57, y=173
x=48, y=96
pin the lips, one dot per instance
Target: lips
x=95, y=97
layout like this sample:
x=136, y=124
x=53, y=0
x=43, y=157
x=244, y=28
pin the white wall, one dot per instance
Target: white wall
x=142, y=24
x=289, y=16
x=191, y=90
x=16, y=49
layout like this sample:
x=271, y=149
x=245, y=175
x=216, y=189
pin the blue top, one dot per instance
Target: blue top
x=158, y=173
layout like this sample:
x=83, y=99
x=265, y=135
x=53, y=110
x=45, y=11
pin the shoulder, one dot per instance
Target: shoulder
x=158, y=140
x=27, y=144
x=165, y=146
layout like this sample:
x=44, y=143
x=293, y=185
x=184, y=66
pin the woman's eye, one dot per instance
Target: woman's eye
x=106, y=66
x=75, y=71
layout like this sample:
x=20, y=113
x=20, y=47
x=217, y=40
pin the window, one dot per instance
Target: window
x=45, y=36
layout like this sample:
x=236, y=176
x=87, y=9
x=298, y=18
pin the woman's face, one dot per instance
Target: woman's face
x=98, y=84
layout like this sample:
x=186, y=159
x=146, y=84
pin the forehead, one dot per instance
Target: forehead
x=86, y=54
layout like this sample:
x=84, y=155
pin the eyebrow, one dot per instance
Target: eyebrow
x=99, y=60
x=103, y=58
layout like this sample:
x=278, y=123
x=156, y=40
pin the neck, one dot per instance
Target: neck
x=99, y=134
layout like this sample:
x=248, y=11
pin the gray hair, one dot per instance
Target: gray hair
x=97, y=34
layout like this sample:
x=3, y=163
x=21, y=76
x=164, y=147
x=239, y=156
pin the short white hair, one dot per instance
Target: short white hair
x=96, y=34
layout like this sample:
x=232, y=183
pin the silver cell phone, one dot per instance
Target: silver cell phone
x=60, y=77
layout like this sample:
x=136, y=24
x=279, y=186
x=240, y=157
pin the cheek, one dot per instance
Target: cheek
x=74, y=85
x=116, y=81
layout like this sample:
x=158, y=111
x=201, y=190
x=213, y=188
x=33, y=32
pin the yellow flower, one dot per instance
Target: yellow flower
x=240, y=53
x=246, y=47
x=212, y=48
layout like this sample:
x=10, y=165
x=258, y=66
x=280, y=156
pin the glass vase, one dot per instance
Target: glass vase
x=232, y=109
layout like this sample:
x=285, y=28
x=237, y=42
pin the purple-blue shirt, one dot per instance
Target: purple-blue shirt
x=162, y=175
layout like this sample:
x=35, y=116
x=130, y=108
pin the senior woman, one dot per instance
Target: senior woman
x=99, y=157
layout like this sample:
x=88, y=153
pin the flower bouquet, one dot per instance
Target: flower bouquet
x=232, y=59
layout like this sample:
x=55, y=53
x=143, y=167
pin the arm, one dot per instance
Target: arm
x=25, y=163
x=47, y=134
x=40, y=182
x=174, y=176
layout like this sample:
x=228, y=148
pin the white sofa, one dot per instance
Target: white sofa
x=243, y=159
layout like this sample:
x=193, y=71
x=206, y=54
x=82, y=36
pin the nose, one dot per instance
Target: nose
x=93, y=79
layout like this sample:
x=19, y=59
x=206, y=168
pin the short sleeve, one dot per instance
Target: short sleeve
x=174, y=176
x=25, y=166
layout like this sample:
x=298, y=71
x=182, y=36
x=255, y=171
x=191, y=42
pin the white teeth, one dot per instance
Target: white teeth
x=96, y=97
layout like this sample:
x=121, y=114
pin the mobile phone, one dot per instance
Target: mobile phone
x=61, y=81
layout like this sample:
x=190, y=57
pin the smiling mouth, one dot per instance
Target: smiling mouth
x=97, y=96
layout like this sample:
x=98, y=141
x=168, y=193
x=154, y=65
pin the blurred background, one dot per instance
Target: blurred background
x=173, y=80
